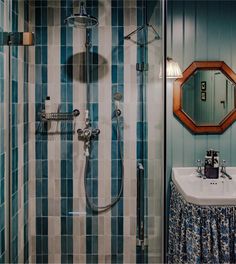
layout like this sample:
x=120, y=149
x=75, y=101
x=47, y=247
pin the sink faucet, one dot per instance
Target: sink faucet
x=223, y=170
x=199, y=169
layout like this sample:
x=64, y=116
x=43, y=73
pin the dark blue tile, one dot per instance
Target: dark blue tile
x=69, y=188
x=44, y=74
x=44, y=226
x=70, y=226
x=88, y=244
x=44, y=240
x=38, y=188
x=94, y=188
x=44, y=188
x=44, y=37
x=2, y=195
x=114, y=17
x=114, y=169
x=38, y=225
x=38, y=55
x=114, y=74
x=44, y=16
x=44, y=49
x=114, y=149
x=63, y=188
x=2, y=241
x=38, y=247
x=38, y=17
x=64, y=206
x=120, y=17
x=113, y=245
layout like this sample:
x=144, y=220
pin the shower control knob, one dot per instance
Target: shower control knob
x=87, y=133
x=80, y=131
x=96, y=131
x=76, y=112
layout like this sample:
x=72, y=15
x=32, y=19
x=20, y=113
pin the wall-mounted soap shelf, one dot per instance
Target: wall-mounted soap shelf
x=60, y=116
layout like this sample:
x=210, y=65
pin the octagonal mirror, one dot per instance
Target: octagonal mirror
x=205, y=98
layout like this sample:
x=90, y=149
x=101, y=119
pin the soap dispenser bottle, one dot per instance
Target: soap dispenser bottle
x=211, y=168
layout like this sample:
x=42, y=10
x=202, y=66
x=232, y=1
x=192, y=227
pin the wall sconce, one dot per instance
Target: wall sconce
x=173, y=70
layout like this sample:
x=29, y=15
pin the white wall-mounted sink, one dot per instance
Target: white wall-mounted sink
x=201, y=191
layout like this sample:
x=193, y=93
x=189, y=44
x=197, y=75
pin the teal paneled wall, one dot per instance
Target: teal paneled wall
x=2, y=147
x=199, y=30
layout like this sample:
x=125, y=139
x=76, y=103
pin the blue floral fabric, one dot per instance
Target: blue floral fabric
x=200, y=234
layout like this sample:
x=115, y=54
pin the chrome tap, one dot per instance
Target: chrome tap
x=223, y=170
x=199, y=166
x=199, y=169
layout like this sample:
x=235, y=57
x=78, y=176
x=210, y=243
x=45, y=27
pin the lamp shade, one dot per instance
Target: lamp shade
x=173, y=70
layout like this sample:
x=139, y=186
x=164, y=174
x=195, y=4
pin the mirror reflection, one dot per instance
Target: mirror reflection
x=208, y=96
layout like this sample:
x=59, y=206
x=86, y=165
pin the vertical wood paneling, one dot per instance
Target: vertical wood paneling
x=178, y=45
x=199, y=30
x=213, y=49
x=169, y=29
x=188, y=55
x=189, y=33
x=213, y=30
x=225, y=41
x=200, y=54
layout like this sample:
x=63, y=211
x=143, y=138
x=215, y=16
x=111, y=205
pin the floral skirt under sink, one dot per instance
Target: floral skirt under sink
x=200, y=234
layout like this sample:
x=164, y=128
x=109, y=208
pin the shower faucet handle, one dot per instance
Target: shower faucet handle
x=96, y=131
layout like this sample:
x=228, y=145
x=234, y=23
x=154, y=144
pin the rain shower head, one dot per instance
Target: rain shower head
x=82, y=19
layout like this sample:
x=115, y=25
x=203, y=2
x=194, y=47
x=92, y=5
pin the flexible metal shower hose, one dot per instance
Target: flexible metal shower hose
x=93, y=206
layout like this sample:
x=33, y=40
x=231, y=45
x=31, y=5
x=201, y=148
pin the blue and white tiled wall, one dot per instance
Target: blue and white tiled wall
x=2, y=145
x=56, y=165
x=19, y=137
x=14, y=17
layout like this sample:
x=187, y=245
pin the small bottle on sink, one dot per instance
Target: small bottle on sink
x=211, y=168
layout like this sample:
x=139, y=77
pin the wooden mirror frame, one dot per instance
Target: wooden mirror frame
x=177, y=98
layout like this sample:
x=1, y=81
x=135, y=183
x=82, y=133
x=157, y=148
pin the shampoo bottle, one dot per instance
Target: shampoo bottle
x=48, y=105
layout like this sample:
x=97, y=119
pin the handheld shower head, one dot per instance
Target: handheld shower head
x=117, y=98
